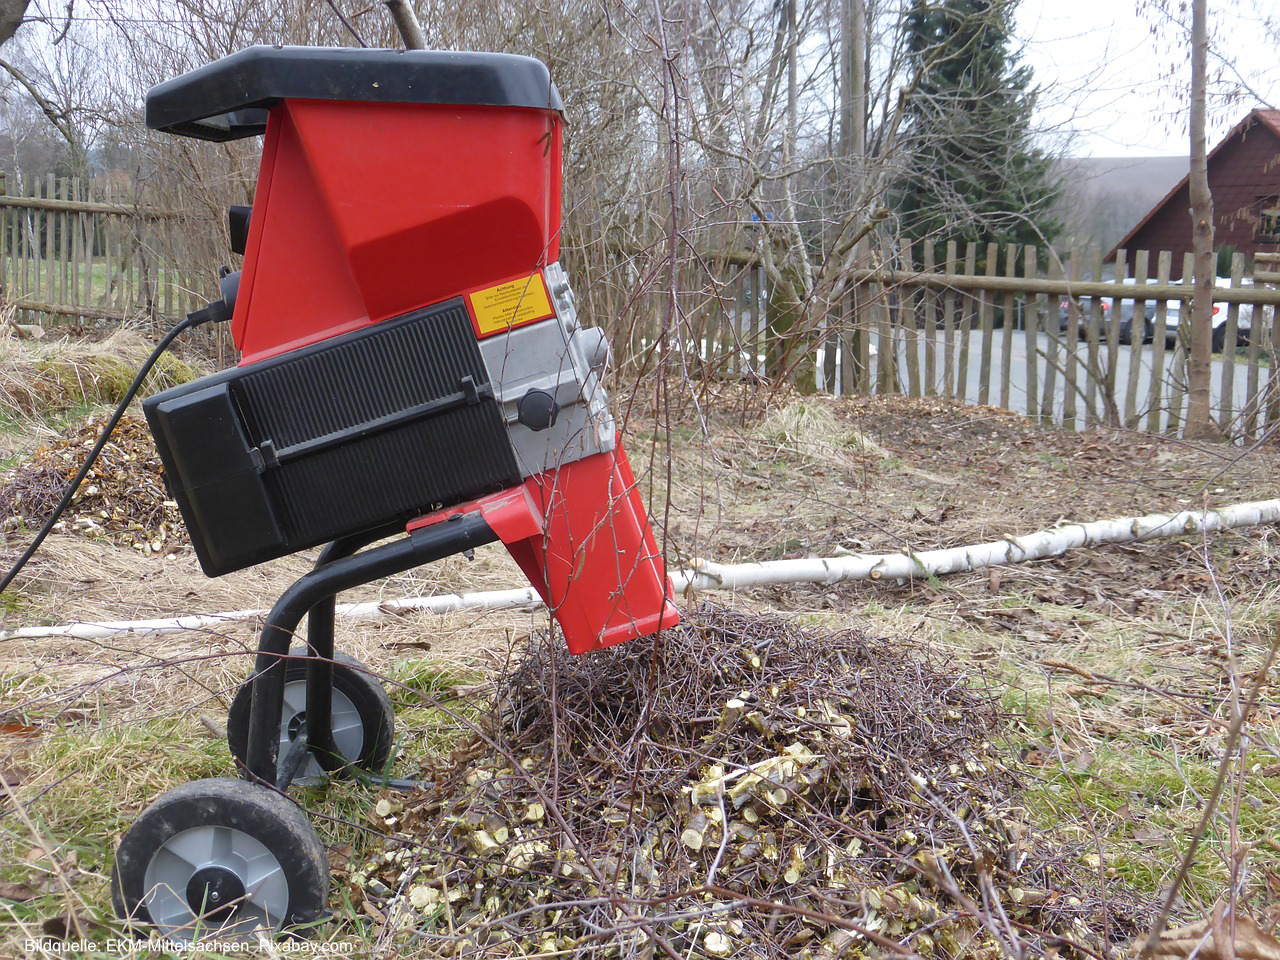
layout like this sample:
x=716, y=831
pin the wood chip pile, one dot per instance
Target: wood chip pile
x=124, y=496
x=745, y=788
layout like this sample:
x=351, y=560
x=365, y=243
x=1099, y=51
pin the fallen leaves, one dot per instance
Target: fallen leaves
x=17, y=892
x=1211, y=939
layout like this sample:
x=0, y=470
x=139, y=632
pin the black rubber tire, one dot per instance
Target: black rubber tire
x=265, y=815
x=1219, y=338
x=353, y=679
x=1126, y=333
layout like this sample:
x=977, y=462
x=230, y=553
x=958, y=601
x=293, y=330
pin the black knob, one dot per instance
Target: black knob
x=229, y=286
x=537, y=410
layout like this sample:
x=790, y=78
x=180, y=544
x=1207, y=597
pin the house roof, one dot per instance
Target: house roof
x=1268, y=118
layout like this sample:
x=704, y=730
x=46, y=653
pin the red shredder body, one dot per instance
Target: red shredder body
x=411, y=345
x=363, y=217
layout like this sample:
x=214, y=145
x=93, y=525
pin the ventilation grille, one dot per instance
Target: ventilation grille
x=332, y=387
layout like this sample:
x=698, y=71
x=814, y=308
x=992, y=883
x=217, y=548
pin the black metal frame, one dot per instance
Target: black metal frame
x=340, y=567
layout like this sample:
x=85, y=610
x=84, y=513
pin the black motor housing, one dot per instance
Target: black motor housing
x=361, y=430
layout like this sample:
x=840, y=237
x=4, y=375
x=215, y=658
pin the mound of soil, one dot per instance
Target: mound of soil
x=124, y=497
x=742, y=788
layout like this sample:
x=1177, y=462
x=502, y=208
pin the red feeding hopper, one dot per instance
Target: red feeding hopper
x=413, y=362
x=368, y=213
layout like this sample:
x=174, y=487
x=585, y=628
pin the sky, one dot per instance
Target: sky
x=1114, y=77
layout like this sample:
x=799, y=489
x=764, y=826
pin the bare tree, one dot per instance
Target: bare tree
x=1199, y=421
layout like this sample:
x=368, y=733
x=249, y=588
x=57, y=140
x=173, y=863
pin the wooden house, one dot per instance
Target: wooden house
x=1244, y=177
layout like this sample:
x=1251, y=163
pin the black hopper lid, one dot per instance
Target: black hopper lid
x=229, y=98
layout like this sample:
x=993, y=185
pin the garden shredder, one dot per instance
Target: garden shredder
x=413, y=367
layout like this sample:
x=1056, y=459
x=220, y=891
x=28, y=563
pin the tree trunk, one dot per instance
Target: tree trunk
x=788, y=317
x=11, y=15
x=1199, y=422
x=407, y=24
x=1054, y=542
x=853, y=143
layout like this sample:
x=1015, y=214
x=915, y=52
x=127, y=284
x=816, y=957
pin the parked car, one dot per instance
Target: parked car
x=1085, y=311
x=1108, y=317
x=1244, y=321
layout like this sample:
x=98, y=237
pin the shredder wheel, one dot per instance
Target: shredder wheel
x=220, y=859
x=363, y=719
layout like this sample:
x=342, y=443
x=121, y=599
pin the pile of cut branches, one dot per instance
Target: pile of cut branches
x=123, y=497
x=743, y=787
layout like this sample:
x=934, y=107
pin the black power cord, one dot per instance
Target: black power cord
x=214, y=312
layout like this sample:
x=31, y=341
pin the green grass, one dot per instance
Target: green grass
x=429, y=717
x=104, y=378
x=112, y=772
x=428, y=677
x=1113, y=761
x=1147, y=808
x=22, y=282
x=114, y=769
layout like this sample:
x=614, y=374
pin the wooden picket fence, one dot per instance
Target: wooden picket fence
x=1015, y=328
x=85, y=252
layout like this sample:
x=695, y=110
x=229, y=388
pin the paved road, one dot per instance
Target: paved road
x=1046, y=348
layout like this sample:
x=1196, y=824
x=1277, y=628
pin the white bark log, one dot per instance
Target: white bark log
x=525, y=598
x=706, y=575
x=935, y=563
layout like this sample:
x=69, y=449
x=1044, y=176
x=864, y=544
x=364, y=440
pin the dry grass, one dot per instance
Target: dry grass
x=39, y=374
x=1116, y=666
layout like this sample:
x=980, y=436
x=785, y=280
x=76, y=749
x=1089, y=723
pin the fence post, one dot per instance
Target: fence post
x=1273, y=376
x=1071, y=347
x=1158, y=369
x=7, y=255
x=930, y=305
x=1257, y=329
x=50, y=259
x=887, y=355
x=864, y=327
x=907, y=320
x=1048, y=412
x=1141, y=269
x=15, y=252
x=1229, y=347
x=1178, y=365
x=949, y=327
x=1136, y=328
x=60, y=221
x=1010, y=305
x=968, y=308
x=985, y=324
x=1030, y=318
x=1093, y=374
x=89, y=233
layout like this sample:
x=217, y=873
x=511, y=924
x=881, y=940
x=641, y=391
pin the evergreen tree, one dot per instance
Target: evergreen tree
x=973, y=169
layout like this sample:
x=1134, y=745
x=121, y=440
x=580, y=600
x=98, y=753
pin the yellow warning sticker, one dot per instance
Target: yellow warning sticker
x=510, y=304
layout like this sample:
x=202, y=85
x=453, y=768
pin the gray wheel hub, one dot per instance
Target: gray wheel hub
x=348, y=730
x=215, y=880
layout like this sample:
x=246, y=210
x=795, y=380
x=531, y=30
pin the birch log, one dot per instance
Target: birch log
x=525, y=598
x=908, y=565
x=706, y=575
